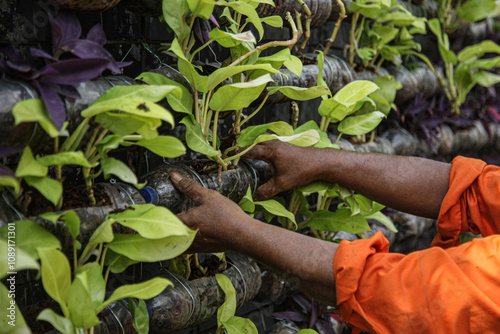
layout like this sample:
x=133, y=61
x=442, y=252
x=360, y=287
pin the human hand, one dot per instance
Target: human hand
x=216, y=217
x=292, y=166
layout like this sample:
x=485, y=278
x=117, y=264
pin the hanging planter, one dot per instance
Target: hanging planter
x=232, y=183
x=13, y=91
x=187, y=303
x=119, y=196
x=92, y=5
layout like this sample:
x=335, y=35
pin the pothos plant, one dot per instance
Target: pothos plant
x=469, y=67
x=123, y=115
x=356, y=109
x=238, y=83
x=381, y=31
x=77, y=282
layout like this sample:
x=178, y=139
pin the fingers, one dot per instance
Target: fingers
x=188, y=187
x=260, y=151
x=266, y=191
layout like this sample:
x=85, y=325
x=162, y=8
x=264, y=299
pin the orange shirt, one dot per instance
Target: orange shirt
x=442, y=289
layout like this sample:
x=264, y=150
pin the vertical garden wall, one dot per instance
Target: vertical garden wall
x=101, y=100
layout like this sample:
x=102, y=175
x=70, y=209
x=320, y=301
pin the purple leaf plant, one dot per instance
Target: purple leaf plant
x=73, y=60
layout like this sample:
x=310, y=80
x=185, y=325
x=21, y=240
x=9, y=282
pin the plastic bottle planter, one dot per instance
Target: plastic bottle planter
x=284, y=327
x=12, y=92
x=321, y=10
x=414, y=232
x=94, y=5
x=233, y=183
x=187, y=303
x=121, y=195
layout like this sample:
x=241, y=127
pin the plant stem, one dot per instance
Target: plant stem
x=214, y=132
x=352, y=47
x=75, y=258
x=255, y=112
x=296, y=111
x=325, y=122
x=239, y=154
x=337, y=26
x=196, y=106
x=379, y=64
x=338, y=138
x=199, y=49
x=76, y=137
x=103, y=257
x=289, y=43
x=186, y=41
x=308, y=26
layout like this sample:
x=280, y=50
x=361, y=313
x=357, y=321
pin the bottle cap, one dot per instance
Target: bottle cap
x=149, y=194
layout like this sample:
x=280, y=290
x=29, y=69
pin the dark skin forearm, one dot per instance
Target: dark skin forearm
x=409, y=184
x=222, y=226
x=303, y=261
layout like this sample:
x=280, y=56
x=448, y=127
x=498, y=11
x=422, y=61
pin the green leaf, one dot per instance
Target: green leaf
x=365, y=8
x=307, y=331
x=164, y=146
x=361, y=124
x=355, y=91
x=30, y=236
x=248, y=135
x=247, y=10
x=82, y=311
x=51, y=189
x=486, y=79
x=477, y=51
x=132, y=106
x=56, y=274
x=96, y=287
x=239, y=95
x=195, y=138
x=145, y=290
x=225, y=72
x=15, y=324
x=476, y=10
x=199, y=82
x=11, y=182
x=246, y=203
x=152, y=222
x=299, y=93
x=65, y=158
x=117, y=263
x=303, y=139
x=276, y=208
x=387, y=87
x=380, y=217
x=59, y=322
x=201, y=8
x=118, y=168
x=141, y=316
x=341, y=220
x=320, y=81
x=315, y=187
x=70, y=218
x=23, y=260
x=151, y=93
x=366, y=53
x=174, y=13
x=102, y=234
x=238, y=325
x=463, y=81
x=229, y=40
x=183, y=104
x=294, y=65
x=34, y=110
x=274, y=21
x=138, y=248
x=228, y=308
x=28, y=166
x=123, y=124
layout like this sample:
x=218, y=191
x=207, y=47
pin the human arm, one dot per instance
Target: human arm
x=223, y=226
x=410, y=184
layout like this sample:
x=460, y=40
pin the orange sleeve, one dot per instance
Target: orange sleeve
x=472, y=203
x=436, y=290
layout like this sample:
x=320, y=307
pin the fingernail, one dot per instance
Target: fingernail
x=176, y=177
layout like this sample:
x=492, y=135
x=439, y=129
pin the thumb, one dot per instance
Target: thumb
x=188, y=187
x=266, y=191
